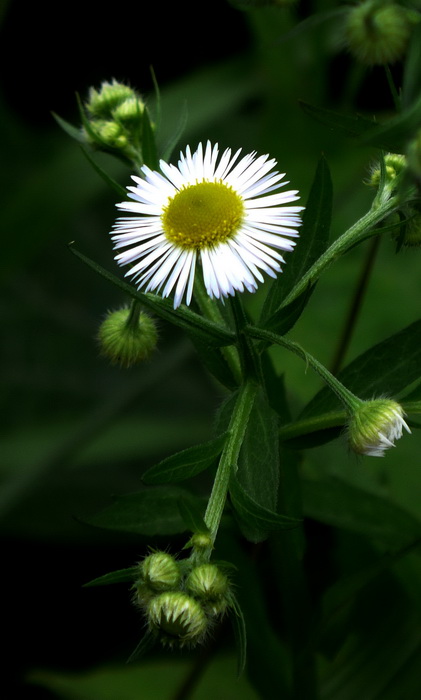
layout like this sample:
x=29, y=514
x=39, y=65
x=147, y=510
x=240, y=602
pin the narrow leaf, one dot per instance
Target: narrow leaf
x=150, y=512
x=121, y=191
x=394, y=134
x=240, y=633
x=177, y=134
x=73, y=131
x=343, y=505
x=262, y=519
x=312, y=242
x=353, y=127
x=412, y=70
x=120, y=576
x=192, y=516
x=182, y=317
x=186, y=463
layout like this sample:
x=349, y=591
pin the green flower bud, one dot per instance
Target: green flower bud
x=127, y=336
x=200, y=541
x=101, y=103
x=394, y=163
x=378, y=32
x=160, y=571
x=211, y=586
x=107, y=133
x=375, y=425
x=129, y=112
x=177, y=618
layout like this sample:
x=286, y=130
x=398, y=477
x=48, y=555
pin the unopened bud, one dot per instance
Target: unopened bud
x=207, y=583
x=375, y=425
x=177, y=618
x=127, y=336
x=160, y=571
x=378, y=32
x=102, y=102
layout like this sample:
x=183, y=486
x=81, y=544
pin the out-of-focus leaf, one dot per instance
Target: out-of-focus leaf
x=339, y=504
x=187, y=463
x=120, y=576
x=313, y=240
x=412, y=69
x=257, y=520
x=240, y=631
x=104, y=175
x=153, y=680
x=353, y=127
x=73, y=131
x=150, y=512
x=386, y=368
x=395, y=133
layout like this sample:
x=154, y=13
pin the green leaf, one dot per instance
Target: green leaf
x=395, y=134
x=150, y=512
x=258, y=464
x=386, y=368
x=313, y=241
x=177, y=134
x=186, y=463
x=412, y=70
x=192, y=516
x=346, y=125
x=257, y=520
x=121, y=191
x=214, y=361
x=183, y=317
x=287, y=316
x=73, y=131
x=345, y=506
x=240, y=632
x=119, y=576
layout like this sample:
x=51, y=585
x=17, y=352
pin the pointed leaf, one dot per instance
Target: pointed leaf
x=121, y=191
x=339, y=504
x=240, y=632
x=177, y=134
x=353, y=127
x=183, y=317
x=186, y=463
x=312, y=242
x=150, y=512
x=119, y=576
x=192, y=516
x=412, y=70
x=73, y=131
x=258, y=519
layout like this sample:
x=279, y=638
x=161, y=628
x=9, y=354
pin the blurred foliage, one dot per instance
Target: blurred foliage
x=76, y=432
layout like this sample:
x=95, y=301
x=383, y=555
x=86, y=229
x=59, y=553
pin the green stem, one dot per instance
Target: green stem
x=211, y=311
x=350, y=401
x=229, y=457
x=362, y=229
x=395, y=95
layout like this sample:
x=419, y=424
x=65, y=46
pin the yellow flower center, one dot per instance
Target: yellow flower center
x=202, y=215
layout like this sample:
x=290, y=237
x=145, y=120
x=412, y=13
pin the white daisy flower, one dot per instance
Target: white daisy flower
x=215, y=211
x=375, y=425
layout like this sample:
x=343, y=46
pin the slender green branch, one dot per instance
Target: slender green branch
x=350, y=401
x=229, y=457
x=362, y=229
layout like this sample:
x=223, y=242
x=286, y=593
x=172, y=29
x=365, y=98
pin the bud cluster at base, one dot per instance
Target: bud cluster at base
x=375, y=425
x=181, y=601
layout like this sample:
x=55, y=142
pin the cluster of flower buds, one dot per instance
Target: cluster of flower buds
x=114, y=120
x=182, y=601
x=127, y=336
x=377, y=32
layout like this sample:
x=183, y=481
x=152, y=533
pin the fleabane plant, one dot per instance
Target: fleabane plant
x=195, y=239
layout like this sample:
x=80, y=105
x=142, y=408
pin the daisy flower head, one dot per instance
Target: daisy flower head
x=223, y=214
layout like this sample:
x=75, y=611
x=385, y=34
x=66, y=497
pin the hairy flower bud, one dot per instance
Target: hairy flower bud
x=160, y=571
x=375, y=425
x=207, y=583
x=177, y=618
x=102, y=102
x=394, y=164
x=127, y=336
x=378, y=32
